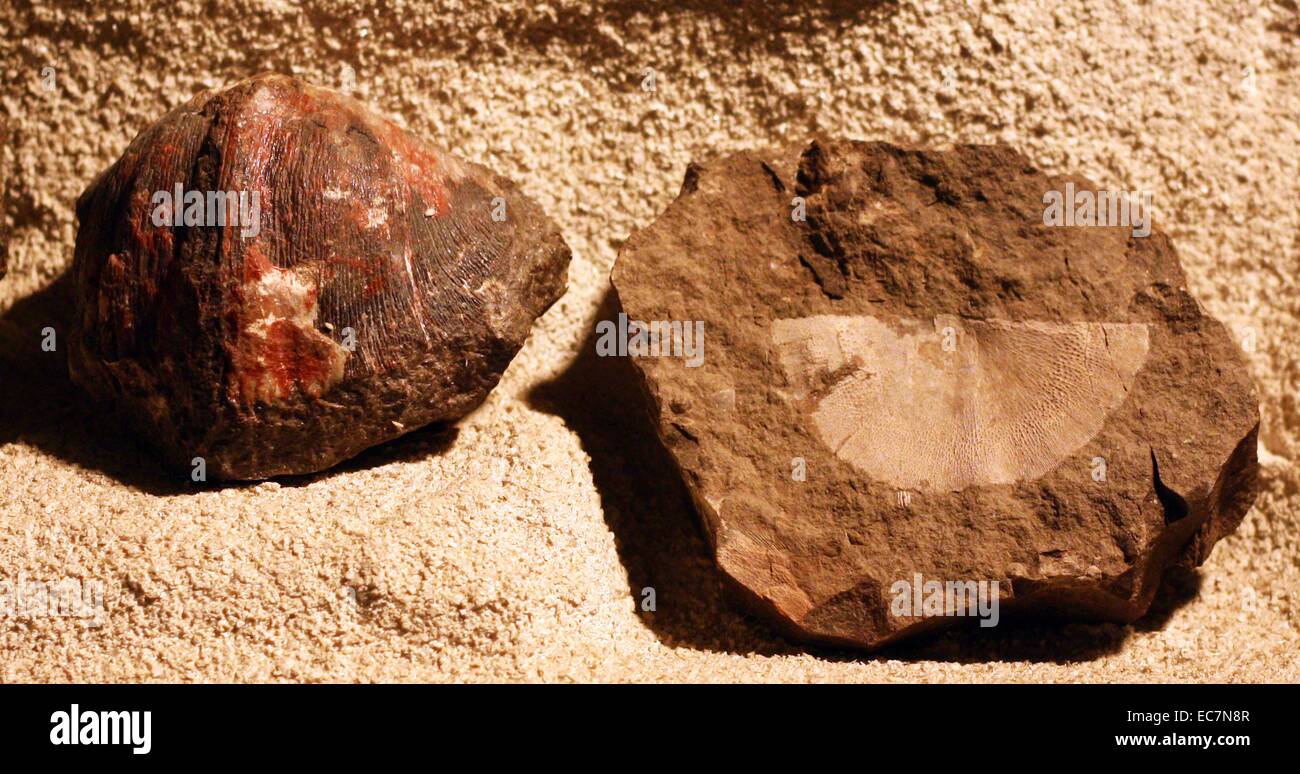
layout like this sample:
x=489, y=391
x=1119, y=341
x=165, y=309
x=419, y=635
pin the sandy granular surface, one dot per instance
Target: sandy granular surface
x=517, y=546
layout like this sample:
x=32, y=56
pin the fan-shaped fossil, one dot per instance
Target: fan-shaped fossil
x=958, y=403
x=925, y=384
x=272, y=278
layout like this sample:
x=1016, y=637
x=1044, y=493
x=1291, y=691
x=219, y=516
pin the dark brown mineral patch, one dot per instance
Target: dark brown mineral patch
x=916, y=394
x=273, y=278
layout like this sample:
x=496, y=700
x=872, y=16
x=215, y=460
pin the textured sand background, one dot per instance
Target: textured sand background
x=516, y=546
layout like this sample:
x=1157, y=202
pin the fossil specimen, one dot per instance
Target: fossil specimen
x=912, y=379
x=273, y=278
x=1004, y=401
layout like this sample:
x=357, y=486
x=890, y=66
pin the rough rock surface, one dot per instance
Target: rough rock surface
x=385, y=284
x=920, y=377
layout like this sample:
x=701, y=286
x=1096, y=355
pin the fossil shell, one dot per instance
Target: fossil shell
x=956, y=403
x=927, y=384
x=274, y=278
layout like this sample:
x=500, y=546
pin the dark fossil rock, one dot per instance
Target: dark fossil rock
x=910, y=374
x=359, y=284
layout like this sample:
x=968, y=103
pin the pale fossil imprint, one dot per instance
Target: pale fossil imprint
x=948, y=403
